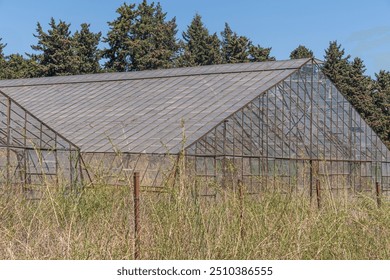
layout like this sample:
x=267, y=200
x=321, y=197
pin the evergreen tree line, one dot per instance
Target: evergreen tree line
x=141, y=38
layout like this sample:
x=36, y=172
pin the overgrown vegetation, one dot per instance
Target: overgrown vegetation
x=97, y=223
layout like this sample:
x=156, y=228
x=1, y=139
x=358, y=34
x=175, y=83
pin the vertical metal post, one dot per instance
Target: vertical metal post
x=81, y=176
x=241, y=199
x=311, y=179
x=311, y=130
x=338, y=152
x=251, y=147
x=215, y=157
x=70, y=166
x=360, y=153
x=331, y=125
x=40, y=136
x=378, y=194
x=297, y=110
x=8, y=138
x=224, y=165
x=215, y=167
x=136, y=216
x=41, y=158
x=196, y=183
x=267, y=153
x=318, y=189
x=56, y=158
x=275, y=140
x=351, y=148
x=290, y=126
x=261, y=143
x=25, y=152
x=242, y=143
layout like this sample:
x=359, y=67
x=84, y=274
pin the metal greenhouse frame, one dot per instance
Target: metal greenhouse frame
x=299, y=131
x=32, y=152
x=265, y=124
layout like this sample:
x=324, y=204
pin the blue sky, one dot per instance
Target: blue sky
x=362, y=27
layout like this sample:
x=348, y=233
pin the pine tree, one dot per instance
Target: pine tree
x=258, y=53
x=199, y=47
x=56, y=55
x=119, y=55
x=2, y=47
x=381, y=98
x=350, y=79
x=141, y=39
x=15, y=66
x=336, y=65
x=234, y=48
x=215, y=56
x=2, y=60
x=86, y=49
x=301, y=52
x=19, y=67
x=154, y=43
x=358, y=88
x=381, y=94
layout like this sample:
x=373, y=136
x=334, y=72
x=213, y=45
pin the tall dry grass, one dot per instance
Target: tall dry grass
x=97, y=223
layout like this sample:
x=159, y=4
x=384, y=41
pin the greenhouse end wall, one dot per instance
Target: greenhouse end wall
x=299, y=132
x=31, y=153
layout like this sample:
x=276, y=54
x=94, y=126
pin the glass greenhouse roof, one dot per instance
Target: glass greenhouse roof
x=145, y=112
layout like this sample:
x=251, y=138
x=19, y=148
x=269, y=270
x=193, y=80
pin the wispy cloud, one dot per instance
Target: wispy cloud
x=369, y=33
x=369, y=39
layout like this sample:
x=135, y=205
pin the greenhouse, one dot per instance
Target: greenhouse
x=262, y=124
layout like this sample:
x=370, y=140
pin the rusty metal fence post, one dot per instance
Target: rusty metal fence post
x=378, y=194
x=241, y=199
x=311, y=177
x=318, y=189
x=136, y=216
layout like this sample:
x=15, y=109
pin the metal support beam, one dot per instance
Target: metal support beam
x=8, y=179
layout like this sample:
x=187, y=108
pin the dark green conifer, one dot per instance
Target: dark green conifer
x=55, y=50
x=200, y=48
x=358, y=88
x=141, y=38
x=86, y=50
x=336, y=65
x=381, y=99
x=234, y=47
x=301, y=52
x=19, y=67
x=2, y=60
x=258, y=53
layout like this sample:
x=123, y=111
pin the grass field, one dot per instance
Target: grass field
x=97, y=223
